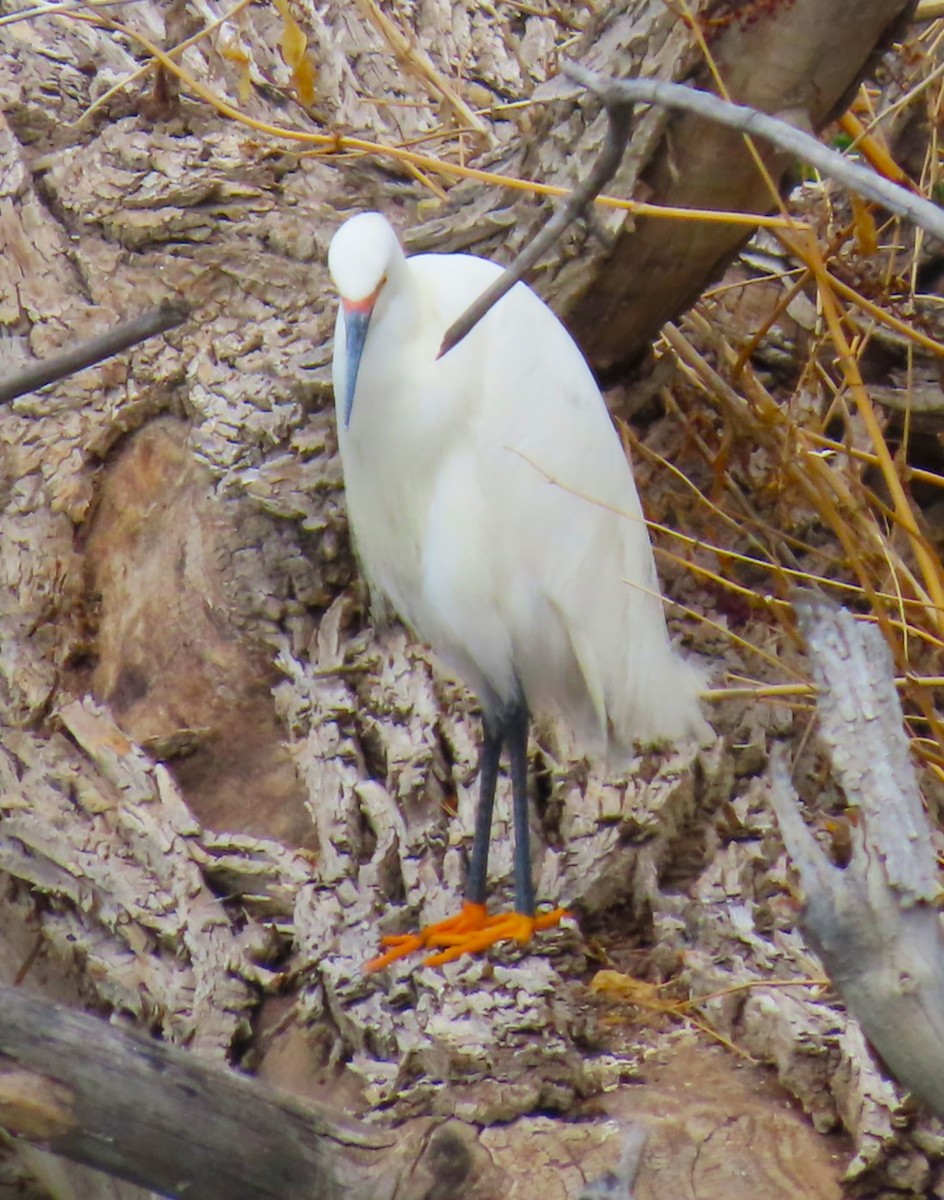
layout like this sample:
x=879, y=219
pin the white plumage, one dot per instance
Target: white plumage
x=491, y=501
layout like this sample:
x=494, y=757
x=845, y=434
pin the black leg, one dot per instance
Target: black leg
x=493, y=737
x=516, y=731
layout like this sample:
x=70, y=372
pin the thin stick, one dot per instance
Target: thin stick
x=603, y=171
x=859, y=179
x=95, y=350
x=618, y=98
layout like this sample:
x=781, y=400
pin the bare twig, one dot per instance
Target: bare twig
x=618, y=98
x=95, y=350
x=603, y=171
x=803, y=146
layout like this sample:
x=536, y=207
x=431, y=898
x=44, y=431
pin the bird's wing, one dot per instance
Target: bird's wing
x=557, y=552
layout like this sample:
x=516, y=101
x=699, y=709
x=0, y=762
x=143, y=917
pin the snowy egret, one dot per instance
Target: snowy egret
x=492, y=505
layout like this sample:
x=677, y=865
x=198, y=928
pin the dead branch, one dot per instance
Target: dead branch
x=618, y=97
x=874, y=922
x=94, y=350
x=753, y=123
x=614, y=145
x=156, y=1115
x=163, y=1118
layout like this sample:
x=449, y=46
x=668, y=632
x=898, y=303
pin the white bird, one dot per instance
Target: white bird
x=492, y=505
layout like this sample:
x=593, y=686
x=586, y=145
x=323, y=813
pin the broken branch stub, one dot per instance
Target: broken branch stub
x=875, y=922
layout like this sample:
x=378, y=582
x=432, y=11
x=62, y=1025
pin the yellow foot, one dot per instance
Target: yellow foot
x=469, y=932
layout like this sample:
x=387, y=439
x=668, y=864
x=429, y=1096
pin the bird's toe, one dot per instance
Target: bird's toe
x=470, y=931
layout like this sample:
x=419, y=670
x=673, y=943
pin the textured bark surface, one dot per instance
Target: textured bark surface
x=214, y=775
x=873, y=916
x=144, y=1111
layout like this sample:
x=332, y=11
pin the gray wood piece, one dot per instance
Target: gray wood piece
x=875, y=921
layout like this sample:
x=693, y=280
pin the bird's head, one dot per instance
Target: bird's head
x=360, y=258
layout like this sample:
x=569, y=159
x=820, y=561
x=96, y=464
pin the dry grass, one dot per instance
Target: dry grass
x=794, y=476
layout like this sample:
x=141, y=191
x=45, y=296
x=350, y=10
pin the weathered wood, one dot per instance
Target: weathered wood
x=181, y=658
x=874, y=921
x=156, y=1115
x=95, y=350
x=619, y=97
x=623, y=94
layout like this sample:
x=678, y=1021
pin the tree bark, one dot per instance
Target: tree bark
x=873, y=917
